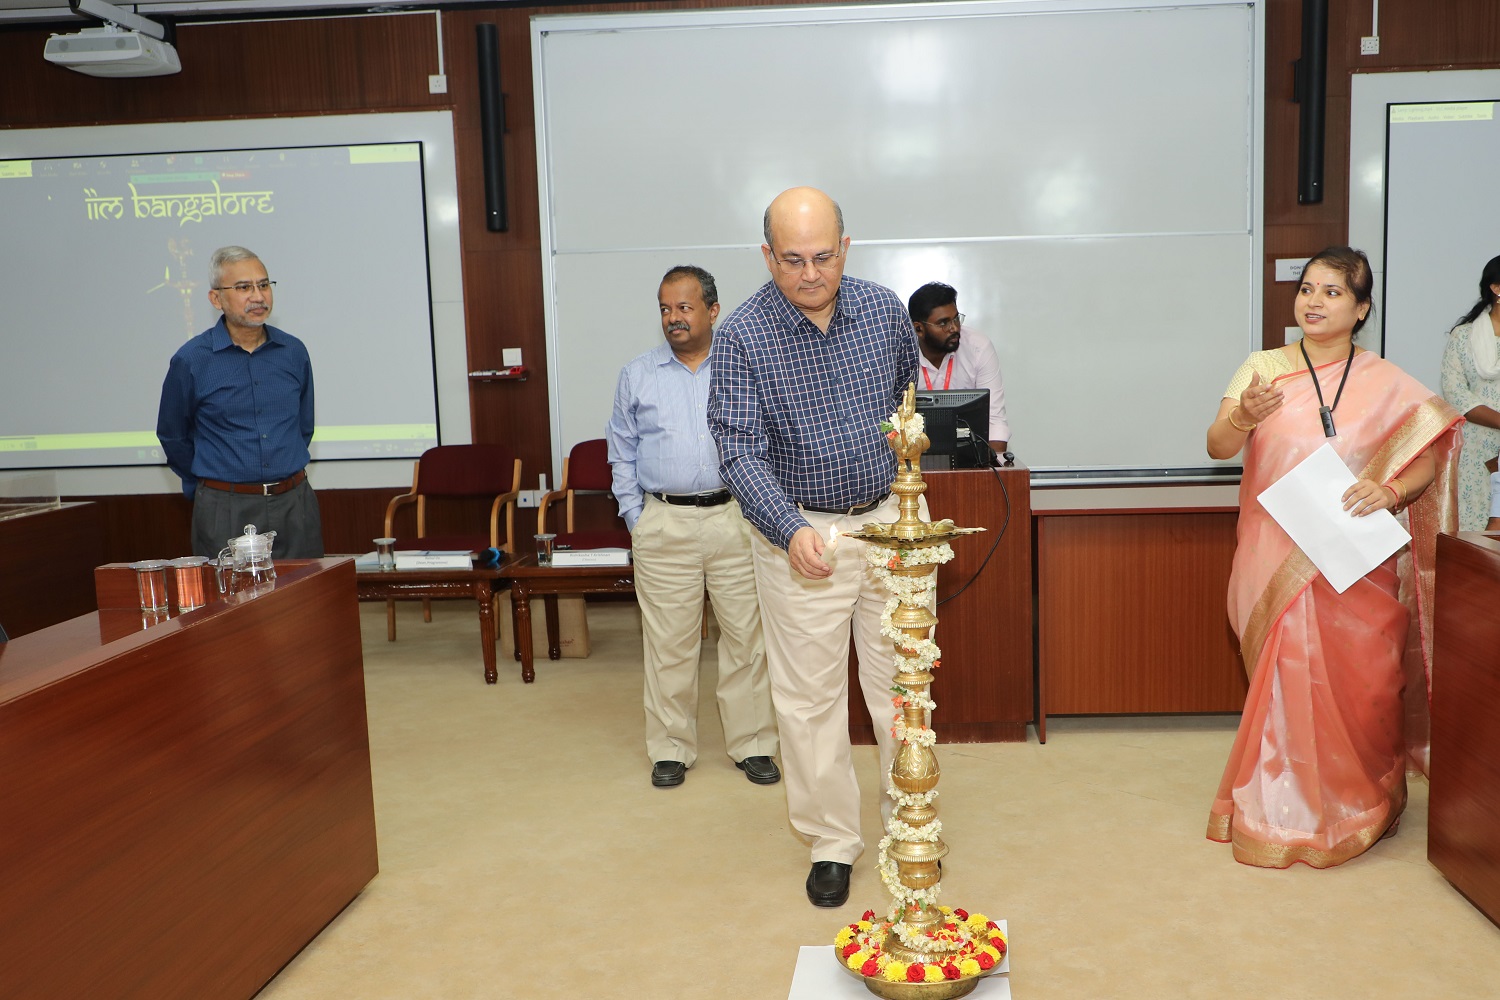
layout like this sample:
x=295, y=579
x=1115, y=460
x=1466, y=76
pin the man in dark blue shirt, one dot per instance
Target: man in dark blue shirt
x=236, y=418
x=804, y=371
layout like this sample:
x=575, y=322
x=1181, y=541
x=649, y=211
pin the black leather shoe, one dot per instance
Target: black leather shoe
x=666, y=773
x=828, y=883
x=761, y=770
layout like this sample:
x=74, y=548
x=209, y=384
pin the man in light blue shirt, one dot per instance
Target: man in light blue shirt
x=687, y=534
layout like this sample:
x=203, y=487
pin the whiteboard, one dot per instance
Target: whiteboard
x=1419, y=193
x=1088, y=179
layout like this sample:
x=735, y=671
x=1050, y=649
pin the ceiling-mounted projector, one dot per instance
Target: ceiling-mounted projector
x=111, y=51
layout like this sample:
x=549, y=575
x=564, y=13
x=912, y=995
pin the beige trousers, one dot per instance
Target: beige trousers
x=678, y=552
x=808, y=624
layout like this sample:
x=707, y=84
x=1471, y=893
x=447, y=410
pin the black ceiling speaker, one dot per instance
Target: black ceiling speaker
x=492, y=127
x=1310, y=91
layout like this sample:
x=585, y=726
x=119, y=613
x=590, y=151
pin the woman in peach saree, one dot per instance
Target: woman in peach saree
x=1337, y=704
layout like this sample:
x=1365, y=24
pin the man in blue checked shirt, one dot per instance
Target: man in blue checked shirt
x=804, y=371
x=236, y=418
x=687, y=534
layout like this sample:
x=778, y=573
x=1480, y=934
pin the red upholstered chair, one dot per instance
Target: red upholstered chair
x=585, y=471
x=456, y=472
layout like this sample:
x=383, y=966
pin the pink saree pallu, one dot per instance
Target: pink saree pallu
x=1338, y=682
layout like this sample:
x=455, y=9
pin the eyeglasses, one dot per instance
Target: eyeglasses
x=246, y=287
x=955, y=322
x=823, y=261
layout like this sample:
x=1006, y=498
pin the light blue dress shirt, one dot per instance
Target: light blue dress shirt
x=658, y=434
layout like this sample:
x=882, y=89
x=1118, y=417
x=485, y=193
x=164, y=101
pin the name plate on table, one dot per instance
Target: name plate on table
x=416, y=559
x=567, y=558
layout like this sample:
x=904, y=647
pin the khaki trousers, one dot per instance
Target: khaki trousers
x=678, y=552
x=808, y=625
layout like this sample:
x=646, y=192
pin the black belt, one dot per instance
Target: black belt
x=258, y=489
x=715, y=499
x=854, y=511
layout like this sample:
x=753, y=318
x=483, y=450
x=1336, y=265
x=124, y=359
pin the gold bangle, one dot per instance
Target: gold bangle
x=1236, y=426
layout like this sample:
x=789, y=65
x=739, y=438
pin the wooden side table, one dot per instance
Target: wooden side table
x=479, y=583
x=527, y=579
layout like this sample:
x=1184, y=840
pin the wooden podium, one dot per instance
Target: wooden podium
x=1464, y=799
x=183, y=806
x=984, y=687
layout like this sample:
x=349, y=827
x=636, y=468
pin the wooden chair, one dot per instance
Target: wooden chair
x=585, y=471
x=456, y=472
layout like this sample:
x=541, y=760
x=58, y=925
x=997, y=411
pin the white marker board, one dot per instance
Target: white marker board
x=1088, y=179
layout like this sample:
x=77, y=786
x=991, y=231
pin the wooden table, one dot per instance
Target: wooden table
x=1130, y=612
x=479, y=583
x=183, y=806
x=528, y=579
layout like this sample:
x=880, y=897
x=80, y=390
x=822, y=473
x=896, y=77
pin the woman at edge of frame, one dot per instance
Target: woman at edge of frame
x=1470, y=380
x=1317, y=773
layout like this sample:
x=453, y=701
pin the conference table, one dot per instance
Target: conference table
x=185, y=800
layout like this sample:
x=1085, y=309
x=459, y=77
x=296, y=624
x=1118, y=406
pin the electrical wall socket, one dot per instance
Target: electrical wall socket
x=529, y=498
x=437, y=83
x=1369, y=45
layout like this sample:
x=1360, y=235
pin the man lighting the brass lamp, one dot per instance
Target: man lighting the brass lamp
x=687, y=534
x=804, y=371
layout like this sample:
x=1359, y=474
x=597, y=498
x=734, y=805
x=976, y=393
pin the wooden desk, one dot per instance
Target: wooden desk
x=528, y=579
x=479, y=584
x=984, y=687
x=1131, y=612
x=47, y=562
x=1463, y=837
x=182, y=807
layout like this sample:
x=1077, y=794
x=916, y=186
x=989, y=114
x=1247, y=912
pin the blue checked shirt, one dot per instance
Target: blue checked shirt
x=797, y=411
x=658, y=433
x=233, y=415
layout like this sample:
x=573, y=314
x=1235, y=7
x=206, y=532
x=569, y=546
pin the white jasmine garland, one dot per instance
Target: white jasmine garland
x=924, y=651
x=915, y=699
x=928, y=832
x=916, y=800
x=903, y=895
x=921, y=736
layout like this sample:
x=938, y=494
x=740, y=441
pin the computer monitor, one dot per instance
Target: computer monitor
x=957, y=424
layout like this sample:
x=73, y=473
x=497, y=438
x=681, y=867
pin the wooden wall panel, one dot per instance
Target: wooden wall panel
x=287, y=67
x=1455, y=34
x=1131, y=613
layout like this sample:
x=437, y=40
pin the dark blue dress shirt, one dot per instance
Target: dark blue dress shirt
x=233, y=415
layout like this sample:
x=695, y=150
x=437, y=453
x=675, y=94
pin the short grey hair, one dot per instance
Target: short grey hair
x=222, y=258
x=765, y=223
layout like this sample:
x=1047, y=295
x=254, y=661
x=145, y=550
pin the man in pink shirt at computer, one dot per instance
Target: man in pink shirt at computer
x=953, y=358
